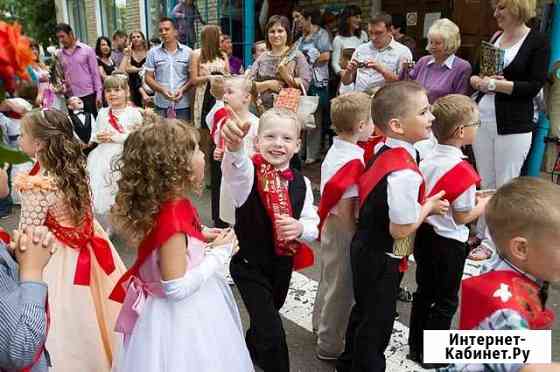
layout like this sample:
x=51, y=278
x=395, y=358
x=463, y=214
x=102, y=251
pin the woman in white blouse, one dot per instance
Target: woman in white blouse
x=350, y=35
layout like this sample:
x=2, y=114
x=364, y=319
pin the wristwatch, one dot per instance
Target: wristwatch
x=491, y=85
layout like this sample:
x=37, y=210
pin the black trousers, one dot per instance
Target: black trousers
x=376, y=284
x=263, y=289
x=439, y=269
x=89, y=103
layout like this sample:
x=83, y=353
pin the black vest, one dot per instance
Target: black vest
x=83, y=130
x=253, y=226
x=372, y=232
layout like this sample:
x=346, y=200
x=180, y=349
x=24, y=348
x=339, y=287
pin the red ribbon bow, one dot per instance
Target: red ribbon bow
x=82, y=239
x=287, y=174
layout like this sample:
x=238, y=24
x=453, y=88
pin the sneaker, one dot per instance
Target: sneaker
x=480, y=253
x=325, y=356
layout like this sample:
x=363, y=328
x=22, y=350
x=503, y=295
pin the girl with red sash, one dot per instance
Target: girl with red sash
x=85, y=268
x=110, y=130
x=440, y=247
x=178, y=312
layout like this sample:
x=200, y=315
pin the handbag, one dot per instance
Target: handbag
x=302, y=104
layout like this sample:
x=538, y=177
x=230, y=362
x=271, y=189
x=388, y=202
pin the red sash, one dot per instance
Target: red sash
x=387, y=162
x=41, y=349
x=346, y=176
x=483, y=295
x=81, y=238
x=369, y=147
x=176, y=216
x=114, y=121
x=220, y=116
x=456, y=181
x=276, y=200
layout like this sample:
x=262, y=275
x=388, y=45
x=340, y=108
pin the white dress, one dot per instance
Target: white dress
x=199, y=333
x=99, y=165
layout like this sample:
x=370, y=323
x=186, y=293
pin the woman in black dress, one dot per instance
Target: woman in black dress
x=104, y=61
x=132, y=64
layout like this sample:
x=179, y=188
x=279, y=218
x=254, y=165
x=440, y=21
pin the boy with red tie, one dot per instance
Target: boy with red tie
x=274, y=214
x=392, y=207
x=523, y=218
x=340, y=171
x=440, y=246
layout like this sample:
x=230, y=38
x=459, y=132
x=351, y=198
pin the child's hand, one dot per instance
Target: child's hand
x=33, y=249
x=4, y=188
x=438, y=204
x=226, y=237
x=233, y=133
x=218, y=154
x=105, y=137
x=288, y=228
x=211, y=233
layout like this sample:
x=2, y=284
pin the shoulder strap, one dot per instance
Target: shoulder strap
x=456, y=181
x=387, y=162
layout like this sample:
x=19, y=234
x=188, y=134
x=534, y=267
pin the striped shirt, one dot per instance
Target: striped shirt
x=22, y=315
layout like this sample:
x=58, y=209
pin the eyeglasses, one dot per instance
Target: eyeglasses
x=474, y=124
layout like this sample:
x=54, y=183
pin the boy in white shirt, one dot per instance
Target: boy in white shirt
x=440, y=247
x=340, y=171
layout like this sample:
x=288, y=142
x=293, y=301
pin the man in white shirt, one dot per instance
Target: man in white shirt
x=379, y=61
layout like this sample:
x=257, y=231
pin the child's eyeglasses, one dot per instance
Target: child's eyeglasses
x=474, y=124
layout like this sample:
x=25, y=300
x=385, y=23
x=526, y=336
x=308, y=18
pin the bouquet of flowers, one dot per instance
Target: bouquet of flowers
x=15, y=57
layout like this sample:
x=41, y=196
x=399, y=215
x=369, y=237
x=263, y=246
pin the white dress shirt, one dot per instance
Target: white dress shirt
x=437, y=164
x=340, y=153
x=238, y=173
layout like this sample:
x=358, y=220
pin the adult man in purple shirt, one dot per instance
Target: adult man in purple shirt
x=81, y=74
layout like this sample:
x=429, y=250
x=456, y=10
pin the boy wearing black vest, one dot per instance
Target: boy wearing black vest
x=441, y=242
x=392, y=207
x=274, y=213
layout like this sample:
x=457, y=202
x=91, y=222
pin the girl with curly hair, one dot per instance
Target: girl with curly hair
x=82, y=272
x=188, y=320
x=111, y=128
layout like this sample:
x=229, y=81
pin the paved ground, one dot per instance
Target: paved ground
x=297, y=311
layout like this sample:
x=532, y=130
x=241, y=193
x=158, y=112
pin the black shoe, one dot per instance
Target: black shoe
x=397, y=316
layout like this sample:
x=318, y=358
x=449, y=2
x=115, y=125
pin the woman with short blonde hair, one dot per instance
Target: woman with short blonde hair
x=442, y=72
x=505, y=101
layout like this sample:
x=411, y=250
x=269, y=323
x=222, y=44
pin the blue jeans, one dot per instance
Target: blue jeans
x=182, y=114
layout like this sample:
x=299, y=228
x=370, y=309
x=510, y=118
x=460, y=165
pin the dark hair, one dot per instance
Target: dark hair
x=98, y=45
x=382, y=18
x=314, y=14
x=119, y=33
x=168, y=19
x=344, y=27
x=146, y=46
x=63, y=27
x=284, y=22
x=393, y=102
x=155, y=40
x=225, y=36
x=399, y=22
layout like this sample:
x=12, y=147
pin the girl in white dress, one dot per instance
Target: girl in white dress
x=178, y=313
x=110, y=130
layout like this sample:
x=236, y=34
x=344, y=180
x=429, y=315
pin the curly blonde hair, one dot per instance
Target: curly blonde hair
x=155, y=166
x=61, y=156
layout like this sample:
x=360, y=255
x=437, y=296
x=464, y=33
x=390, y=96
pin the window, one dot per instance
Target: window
x=155, y=9
x=113, y=16
x=77, y=18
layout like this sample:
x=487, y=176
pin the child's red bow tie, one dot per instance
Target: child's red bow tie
x=287, y=174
